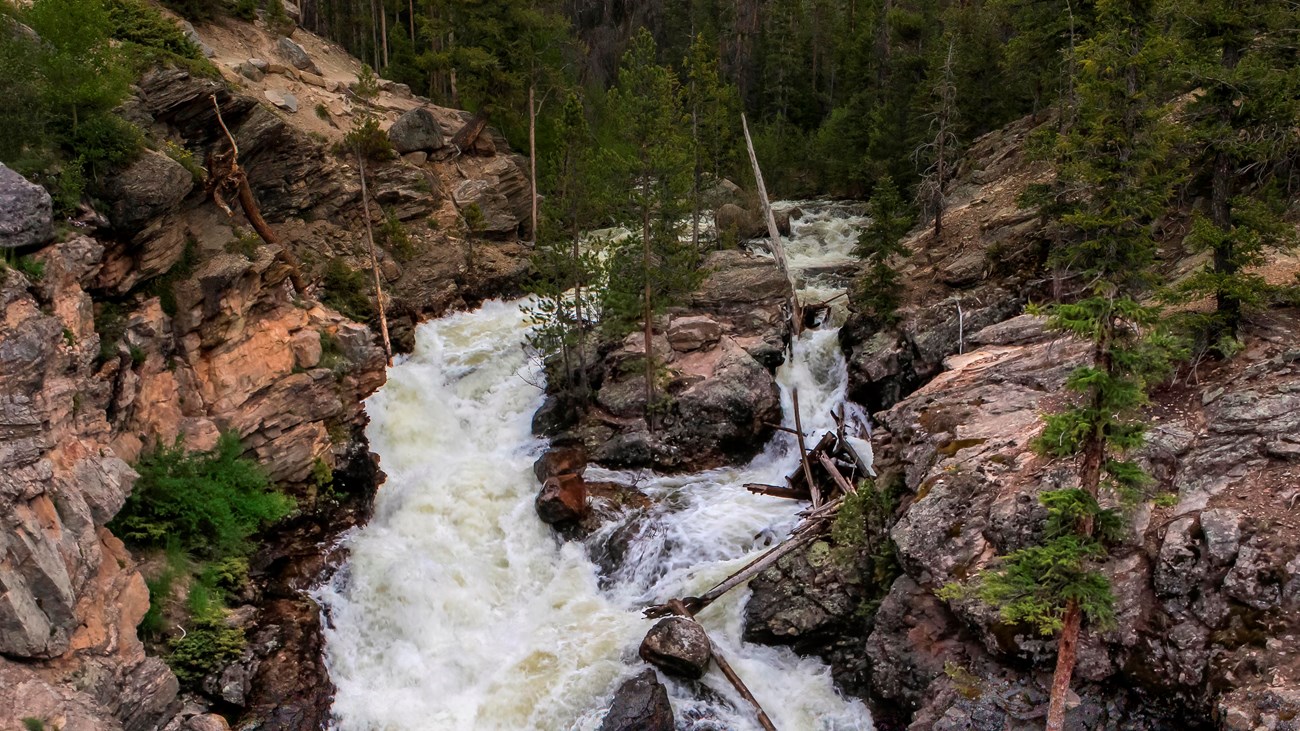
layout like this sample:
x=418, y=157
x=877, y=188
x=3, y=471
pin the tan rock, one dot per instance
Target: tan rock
x=306, y=348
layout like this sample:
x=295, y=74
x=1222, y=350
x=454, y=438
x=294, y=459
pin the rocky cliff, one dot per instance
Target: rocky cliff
x=1207, y=584
x=154, y=316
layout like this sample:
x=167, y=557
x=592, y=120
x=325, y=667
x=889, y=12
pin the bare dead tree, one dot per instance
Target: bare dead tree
x=225, y=177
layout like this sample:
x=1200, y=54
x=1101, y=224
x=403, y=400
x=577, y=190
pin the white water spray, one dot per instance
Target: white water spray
x=460, y=610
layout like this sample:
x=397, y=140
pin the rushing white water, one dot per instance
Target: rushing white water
x=458, y=609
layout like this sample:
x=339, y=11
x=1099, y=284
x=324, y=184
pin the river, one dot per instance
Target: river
x=459, y=610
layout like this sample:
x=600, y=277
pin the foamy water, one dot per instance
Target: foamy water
x=459, y=609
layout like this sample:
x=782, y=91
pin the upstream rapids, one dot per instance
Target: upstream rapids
x=459, y=610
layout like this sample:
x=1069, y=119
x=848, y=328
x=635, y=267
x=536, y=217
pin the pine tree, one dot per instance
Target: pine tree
x=568, y=277
x=1116, y=173
x=654, y=159
x=941, y=148
x=713, y=109
x=1241, y=57
x=878, y=293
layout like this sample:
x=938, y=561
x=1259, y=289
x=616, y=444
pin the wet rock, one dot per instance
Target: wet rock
x=678, y=646
x=693, y=333
x=26, y=212
x=563, y=499
x=416, y=131
x=295, y=55
x=560, y=461
x=732, y=220
x=640, y=704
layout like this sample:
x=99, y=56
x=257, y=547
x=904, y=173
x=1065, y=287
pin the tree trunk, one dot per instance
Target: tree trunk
x=254, y=214
x=1067, y=649
x=374, y=262
x=1225, y=263
x=532, y=158
x=411, y=18
x=648, y=316
x=383, y=30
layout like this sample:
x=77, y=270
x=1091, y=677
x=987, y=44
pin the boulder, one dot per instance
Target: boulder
x=282, y=99
x=26, y=212
x=693, y=333
x=416, y=131
x=640, y=704
x=747, y=224
x=678, y=646
x=149, y=188
x=295, y=55
x=563, y=499
x=250, y=72
x=560, y=461
x=188, y=29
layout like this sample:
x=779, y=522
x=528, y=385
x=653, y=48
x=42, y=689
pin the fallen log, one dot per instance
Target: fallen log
x=678, y=608
x=810, y=530
x=845, y=486
x=467, y=135
x=803, y=451
x=785, y=492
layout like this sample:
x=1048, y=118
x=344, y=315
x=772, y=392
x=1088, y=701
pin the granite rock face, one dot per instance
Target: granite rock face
x=1205, y=587
x=26, y=212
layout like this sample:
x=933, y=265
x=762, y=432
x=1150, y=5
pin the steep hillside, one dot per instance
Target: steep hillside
x=156, y=316
x=1206, y=583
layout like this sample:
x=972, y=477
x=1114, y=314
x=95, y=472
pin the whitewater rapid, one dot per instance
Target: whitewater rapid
x=458, y=609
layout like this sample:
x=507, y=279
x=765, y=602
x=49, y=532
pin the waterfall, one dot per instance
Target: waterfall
x=458, y=609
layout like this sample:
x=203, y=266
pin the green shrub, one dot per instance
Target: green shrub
x=175, y=565
x=331, y=355
x=396, y=238
x=211, y=503
x=347, y=290
x=245, y=10
x=110, y=323
x=367, y=138
x=186, y=160
x=33, y=724
x=207, y=646
x=246, y=243
x=146, y=31
x=105, y=142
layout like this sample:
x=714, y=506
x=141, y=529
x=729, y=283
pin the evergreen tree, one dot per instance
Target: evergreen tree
x=878, y=292
x=1241, y=57
x=1116, y=174
x=654, y=161
x=568, y=281
x=713, y=110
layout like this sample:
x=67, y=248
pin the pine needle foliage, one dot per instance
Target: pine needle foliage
x=878, y=293
x=211, y=503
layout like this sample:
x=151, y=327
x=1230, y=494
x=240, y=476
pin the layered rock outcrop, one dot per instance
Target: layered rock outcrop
x=1205, y=589
x=719, y=394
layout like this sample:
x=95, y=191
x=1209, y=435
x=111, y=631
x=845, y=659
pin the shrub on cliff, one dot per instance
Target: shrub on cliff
x=209, y=502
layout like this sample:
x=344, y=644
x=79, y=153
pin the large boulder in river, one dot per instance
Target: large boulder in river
x=26, y=212
x=563, y=500
x=733, y=221
x=678, y=646
x=416, y=131
x=640, y=704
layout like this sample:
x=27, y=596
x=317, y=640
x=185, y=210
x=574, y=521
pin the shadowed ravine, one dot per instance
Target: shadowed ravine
x=460, y=610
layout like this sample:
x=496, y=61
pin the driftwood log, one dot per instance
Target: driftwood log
x=225, y=176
